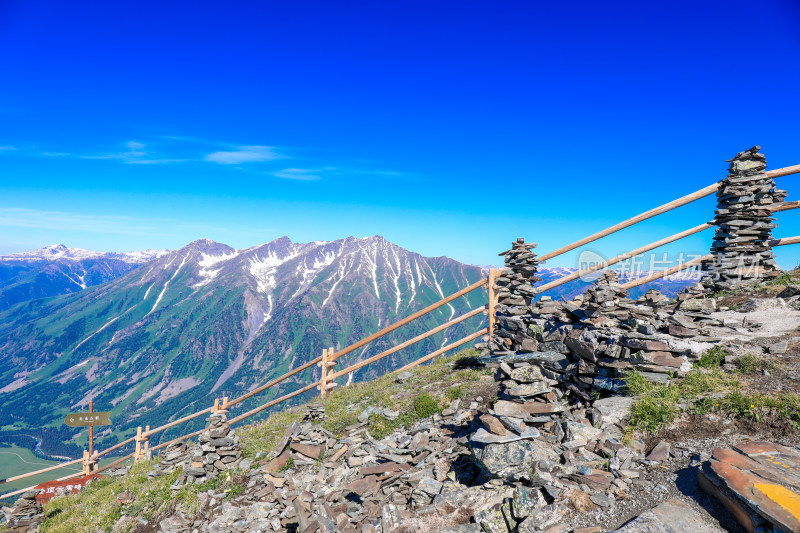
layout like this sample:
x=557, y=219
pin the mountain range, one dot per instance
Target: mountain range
x=55, y=270
x=163, y=339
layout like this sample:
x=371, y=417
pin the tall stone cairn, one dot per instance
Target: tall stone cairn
x=745, y=202
x=515, y=292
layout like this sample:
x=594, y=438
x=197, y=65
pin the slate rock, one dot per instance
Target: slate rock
x=671, y=516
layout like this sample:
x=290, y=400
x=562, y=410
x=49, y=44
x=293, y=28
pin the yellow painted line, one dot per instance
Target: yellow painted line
x=784, y=497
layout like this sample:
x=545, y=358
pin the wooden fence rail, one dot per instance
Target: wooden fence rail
x=407, y=343
x=696, y=261
x=667, y=272
x=622, y=257
x=329, y=356
x=418, y=314
x=669, y=206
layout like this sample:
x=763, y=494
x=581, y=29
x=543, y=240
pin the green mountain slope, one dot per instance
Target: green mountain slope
x=207, y=320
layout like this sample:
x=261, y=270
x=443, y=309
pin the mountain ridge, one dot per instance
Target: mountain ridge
x=207, y=320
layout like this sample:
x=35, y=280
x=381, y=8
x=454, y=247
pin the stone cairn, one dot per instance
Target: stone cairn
x=515, y=292
x=218, y=450
x=588, y=344
x=742, y=254
x=604, y=295
x=26, y=513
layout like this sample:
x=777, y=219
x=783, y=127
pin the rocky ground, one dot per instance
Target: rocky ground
x=512, y=453
x=436, y=476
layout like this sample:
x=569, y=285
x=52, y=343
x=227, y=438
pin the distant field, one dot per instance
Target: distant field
x=15, y=461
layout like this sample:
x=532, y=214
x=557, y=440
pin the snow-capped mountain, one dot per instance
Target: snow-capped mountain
x=55, y=270
x=57, y=252
x=207, y=320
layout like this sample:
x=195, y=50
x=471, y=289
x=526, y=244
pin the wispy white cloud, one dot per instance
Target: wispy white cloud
x=244, y=154
x=137, y=154
x=61, y=221
x=260, y=159
x=156, y=161
x=300, y=174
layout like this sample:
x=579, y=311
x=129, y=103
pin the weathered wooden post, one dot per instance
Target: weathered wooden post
x=326, y=363
x=86, y=467
x=330, y=364
x=323, y=382
x=492, y=299
x=137, y=452
x=146, y=446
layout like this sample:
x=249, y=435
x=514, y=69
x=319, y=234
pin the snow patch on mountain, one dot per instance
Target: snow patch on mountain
x=264, y=268
x=206, y=272
x=167, y=285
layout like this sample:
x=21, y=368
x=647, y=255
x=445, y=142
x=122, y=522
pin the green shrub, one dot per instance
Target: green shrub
x=380, y=426
x=712, y=358
x=455, y=392
x=783, y=280
x=425, y=405
x=747, y=363
x=233, y=491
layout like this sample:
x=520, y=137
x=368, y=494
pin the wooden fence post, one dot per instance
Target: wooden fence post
x=86, y=465
x=146, y=447
x=492, y=300
x=330, y=366
x=137, y=454
x=323, y=382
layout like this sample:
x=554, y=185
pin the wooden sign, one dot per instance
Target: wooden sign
x=68, y=486
x=95, y=418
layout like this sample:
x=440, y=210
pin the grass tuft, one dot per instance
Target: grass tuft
x=713, y=357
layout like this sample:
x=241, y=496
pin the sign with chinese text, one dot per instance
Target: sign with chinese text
x=68, y=486
x=88, y=419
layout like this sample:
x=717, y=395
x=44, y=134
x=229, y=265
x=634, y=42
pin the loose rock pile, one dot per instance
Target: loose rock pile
x=555, y=457
x=317, y=482
x=525, y=464
x=26, y=513
x=217, y=451
x=744, y=224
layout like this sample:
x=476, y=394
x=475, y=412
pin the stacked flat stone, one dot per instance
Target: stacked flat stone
x=604, y=295
x=653, y=298
x=590, y=343
x=26, y=513
x=515, y=292
x=172, y=457
x=742, y=255
x=314, y=413
x=218, y=451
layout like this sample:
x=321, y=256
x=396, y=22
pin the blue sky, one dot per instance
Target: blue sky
x=450, y=128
